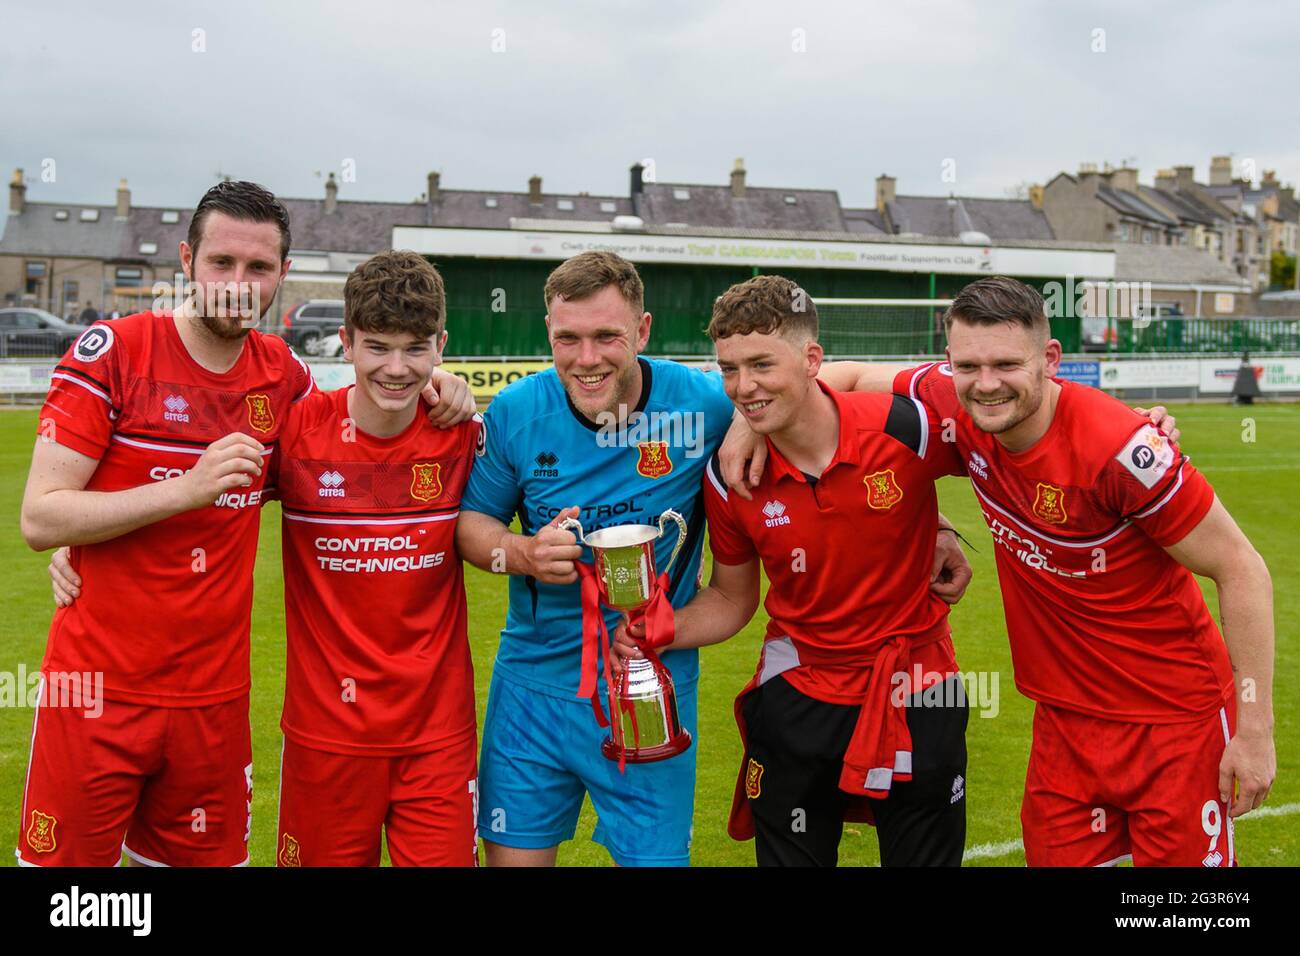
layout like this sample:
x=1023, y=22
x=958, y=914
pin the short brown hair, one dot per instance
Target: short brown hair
x=588, y=272
x=395, y=292
x=244, y=201
x=996, y=300
x=767, y=304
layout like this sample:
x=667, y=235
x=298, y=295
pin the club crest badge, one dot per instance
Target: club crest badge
x=425, y=482
x=753, y=779
x=40, y=835
x=289, y=852
x=1049, y=504
x=259, y=412
x=654, y=461
x=882, y=490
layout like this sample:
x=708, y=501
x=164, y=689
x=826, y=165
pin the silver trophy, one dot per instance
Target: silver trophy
x=643, y=701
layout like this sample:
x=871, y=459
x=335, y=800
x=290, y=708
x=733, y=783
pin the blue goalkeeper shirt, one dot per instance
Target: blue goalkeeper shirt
x=540, y=455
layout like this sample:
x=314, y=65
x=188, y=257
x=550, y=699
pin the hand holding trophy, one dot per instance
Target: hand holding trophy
x=643, y=720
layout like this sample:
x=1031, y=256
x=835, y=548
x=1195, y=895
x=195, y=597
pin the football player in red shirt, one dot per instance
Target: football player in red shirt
x=1152, y=730
x=379, y=693
x=150, y=463
x=844, y=521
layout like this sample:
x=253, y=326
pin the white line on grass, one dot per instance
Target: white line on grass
x=989, y=851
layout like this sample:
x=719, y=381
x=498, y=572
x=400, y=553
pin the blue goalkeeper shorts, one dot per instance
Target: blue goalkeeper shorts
x=542, y=753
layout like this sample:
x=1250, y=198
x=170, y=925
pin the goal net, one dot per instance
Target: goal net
x=881, y=328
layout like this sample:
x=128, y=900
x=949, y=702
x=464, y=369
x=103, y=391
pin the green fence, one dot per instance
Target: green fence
x=1195, y=336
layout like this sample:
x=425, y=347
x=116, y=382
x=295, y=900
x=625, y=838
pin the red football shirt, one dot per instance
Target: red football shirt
x=164, y=610
x=1100, y=618
x=848, y=554
x=378, y=642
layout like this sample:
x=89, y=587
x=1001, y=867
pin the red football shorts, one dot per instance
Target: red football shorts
x=171, y=786
x=1101, y=791
x=333, y=806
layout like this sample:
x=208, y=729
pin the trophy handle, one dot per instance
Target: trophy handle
x=569, y=524
x=681, y=535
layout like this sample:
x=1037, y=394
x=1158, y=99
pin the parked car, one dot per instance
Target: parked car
x=307, y=324
x=35, y=333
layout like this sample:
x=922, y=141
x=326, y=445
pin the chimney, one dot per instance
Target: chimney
x=1089, y=178
x=1036, y=196
x=123, y=200
x=1270, y=178
x=435, y=183
x=17, y=194
x=1166, y=179
x=331, y=195
x=884, y=191
x=1125, y=178
x=1185, y=177
x=535, y=190
x=1221, y=171
x=638, y=184
x=738, y=179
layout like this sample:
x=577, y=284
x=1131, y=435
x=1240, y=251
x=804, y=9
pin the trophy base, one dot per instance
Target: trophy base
x=670, y=748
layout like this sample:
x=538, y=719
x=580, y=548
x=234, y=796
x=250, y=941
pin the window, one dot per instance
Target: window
x=1146, y=236
x=36, y=270
x=148, y=248
x=170, y=216
x=490, y=202
x=90, y=215
x=131, y=278
x=71, y=293
x=61, y=215
x=564, y=205
x=1123, y=231
x=791, y=200
x=608, y=207
x=680, y=193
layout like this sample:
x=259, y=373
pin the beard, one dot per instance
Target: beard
x=229, y=326
x=1025, y=406
x=619, y=394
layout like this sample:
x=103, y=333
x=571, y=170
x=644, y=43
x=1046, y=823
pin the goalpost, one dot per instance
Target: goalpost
x=881, y=328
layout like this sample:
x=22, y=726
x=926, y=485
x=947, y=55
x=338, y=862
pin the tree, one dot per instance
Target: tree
x=1281, y=270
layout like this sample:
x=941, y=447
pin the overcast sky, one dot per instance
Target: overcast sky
x=811, y=94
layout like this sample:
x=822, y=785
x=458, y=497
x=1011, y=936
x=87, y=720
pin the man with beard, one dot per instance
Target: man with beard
x=150, y=463
x=1152, y=730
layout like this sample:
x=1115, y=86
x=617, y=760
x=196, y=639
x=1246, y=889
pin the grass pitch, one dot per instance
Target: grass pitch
x=1259, y=482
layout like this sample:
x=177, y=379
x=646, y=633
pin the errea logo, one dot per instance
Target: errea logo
x=177, y=409
x=979, y=465
x=775, y=513
x=331, y=485
x=958, y=788
x=546, y=462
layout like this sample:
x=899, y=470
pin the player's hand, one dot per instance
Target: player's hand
x=1248, y=767
x=549, y=554
x=450, y=398
x=227, y=464
x=1160, y=417
x=623, y=647
x=66, y=582
x=743, y=456
x=951, y=572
